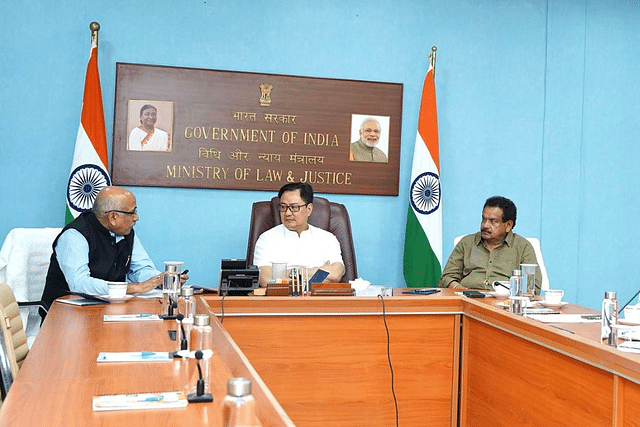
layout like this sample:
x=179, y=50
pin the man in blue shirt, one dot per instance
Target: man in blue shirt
x=101, y=246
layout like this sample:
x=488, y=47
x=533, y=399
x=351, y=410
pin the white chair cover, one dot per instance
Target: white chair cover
x=24, y=261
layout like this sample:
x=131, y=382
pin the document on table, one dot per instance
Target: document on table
x=135, y=356
x=154, y=293
x=561, y=318
x=121, y=402
x=631, y=333
x=142, y=317
x=630, y=346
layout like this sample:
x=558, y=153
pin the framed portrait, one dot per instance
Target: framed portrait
x=149, y=125
x=369, y=138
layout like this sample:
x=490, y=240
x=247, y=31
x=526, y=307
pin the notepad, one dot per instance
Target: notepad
x=562, y=318
x=123, y=402
x=81, y=301
x=135, y=356
x=130, y=317
x=630, y=346
x=630, y=333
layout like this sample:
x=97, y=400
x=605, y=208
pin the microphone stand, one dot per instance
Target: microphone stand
x=172, y=306
x=183, y=341
x=628, y=302
x=199, y=395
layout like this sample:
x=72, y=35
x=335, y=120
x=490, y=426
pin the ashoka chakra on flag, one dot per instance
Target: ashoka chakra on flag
x=85, y=183
x=425, y=193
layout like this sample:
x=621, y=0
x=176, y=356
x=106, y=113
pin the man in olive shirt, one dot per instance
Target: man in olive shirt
x=493, y=253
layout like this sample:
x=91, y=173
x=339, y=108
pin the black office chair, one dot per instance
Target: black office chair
x=329, y=216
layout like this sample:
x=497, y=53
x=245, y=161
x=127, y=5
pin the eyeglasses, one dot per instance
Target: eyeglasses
x=492, y=221
x=292, y=208
x=133, y=212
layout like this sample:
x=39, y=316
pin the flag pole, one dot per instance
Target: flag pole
x=94, y=27
x=432, y=59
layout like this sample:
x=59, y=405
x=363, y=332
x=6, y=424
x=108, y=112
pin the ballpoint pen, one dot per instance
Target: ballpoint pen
x=562, y=329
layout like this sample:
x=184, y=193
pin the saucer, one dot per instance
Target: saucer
x=628, y=322
x=553, y=304
x=498, y=295
x=116, y=300
x=505, y=304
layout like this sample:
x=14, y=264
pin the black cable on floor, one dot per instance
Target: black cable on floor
x=393, y=389
x=222, y=309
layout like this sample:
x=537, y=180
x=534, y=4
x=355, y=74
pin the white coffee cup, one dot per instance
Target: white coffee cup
x=117, y=289
x=501, y=288
x=553, y=296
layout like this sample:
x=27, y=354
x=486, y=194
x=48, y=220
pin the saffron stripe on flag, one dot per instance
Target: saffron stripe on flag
x=92, y=110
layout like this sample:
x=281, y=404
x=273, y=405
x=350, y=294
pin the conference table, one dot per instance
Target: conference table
x=437, y=360
x=60, y=376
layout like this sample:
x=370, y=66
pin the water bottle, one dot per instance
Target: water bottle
x=201, y=343
x=171, y=288
x=187, y=308
x=239, y=406
x=609, y=319
x=515, y=283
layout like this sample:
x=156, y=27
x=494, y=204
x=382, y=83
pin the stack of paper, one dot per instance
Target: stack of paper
x=135, y=356
x=630, y=346
x=130, y=317
x=121, y=402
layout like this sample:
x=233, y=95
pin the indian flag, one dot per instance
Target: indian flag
x=89, y=171
x=423, y=239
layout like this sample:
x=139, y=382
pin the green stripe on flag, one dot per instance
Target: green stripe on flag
x=68, y=216
x=420, y=265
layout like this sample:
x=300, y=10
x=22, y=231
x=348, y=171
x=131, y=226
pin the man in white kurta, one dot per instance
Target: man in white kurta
x=295, y=241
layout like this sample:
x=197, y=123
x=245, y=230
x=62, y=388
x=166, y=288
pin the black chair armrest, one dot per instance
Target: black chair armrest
x=33, y=304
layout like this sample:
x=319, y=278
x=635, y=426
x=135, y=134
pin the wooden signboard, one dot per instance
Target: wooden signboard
x=196, y=128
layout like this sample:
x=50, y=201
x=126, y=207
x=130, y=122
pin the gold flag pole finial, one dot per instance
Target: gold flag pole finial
x=94, y=27
x=432, y=59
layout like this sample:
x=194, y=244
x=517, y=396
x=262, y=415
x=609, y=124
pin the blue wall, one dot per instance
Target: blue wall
x=537, y=101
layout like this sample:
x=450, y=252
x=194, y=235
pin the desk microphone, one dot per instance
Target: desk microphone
x=199, y=395
x=183, y=342
x=172, y=306
x=200, y=386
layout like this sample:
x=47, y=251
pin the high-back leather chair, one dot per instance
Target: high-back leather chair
x=327, y=215
x=13, y=340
